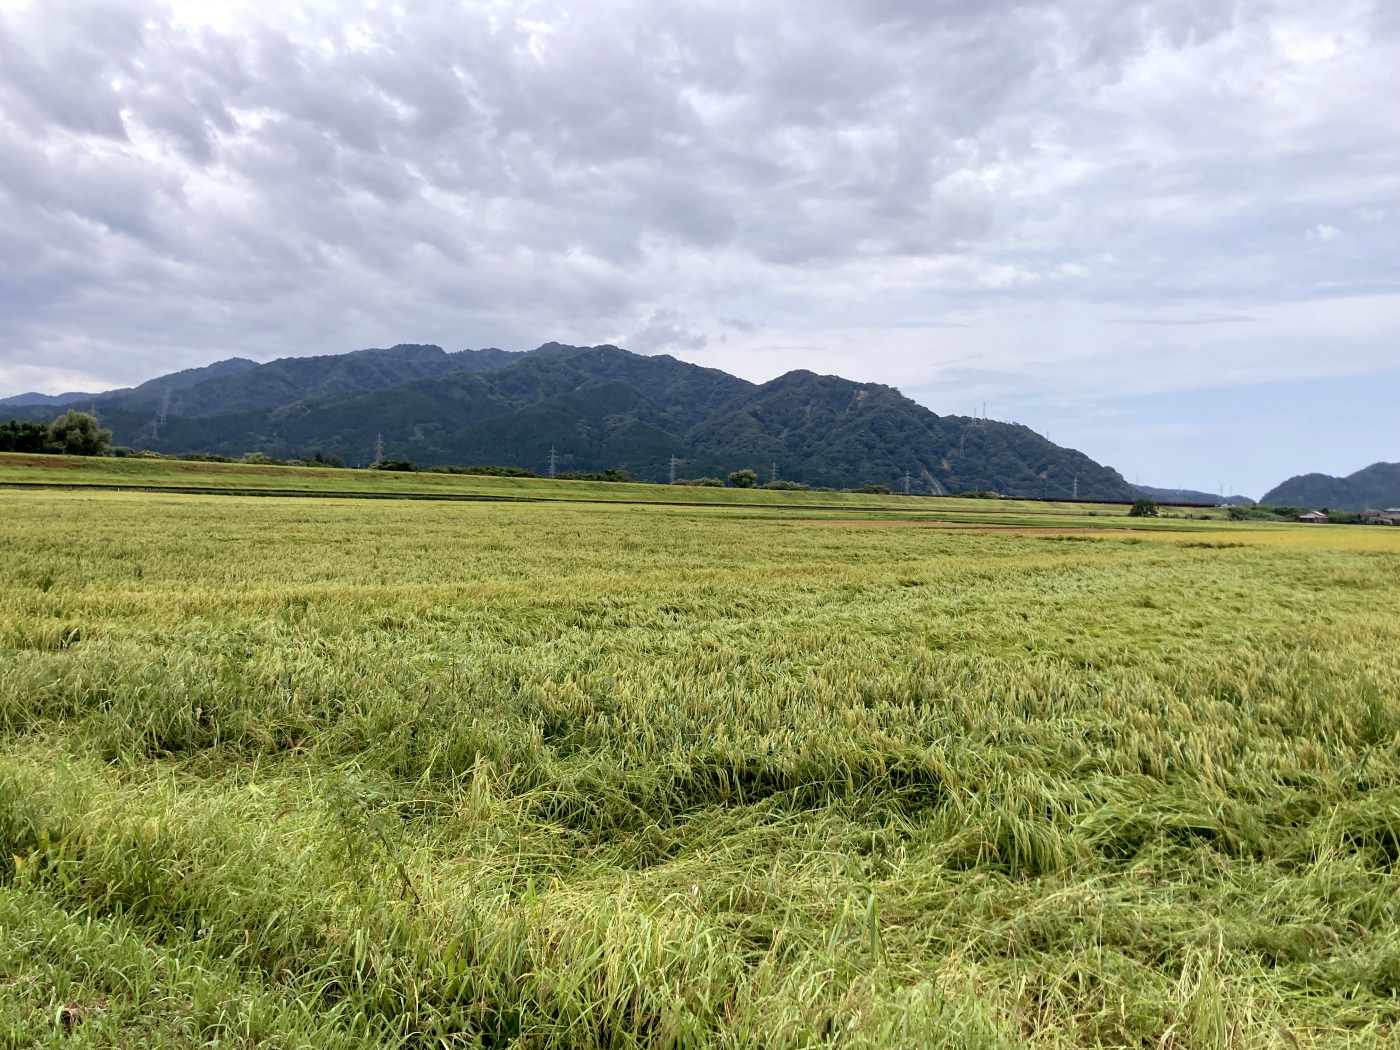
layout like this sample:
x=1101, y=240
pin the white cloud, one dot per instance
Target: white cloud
x=1323, y=232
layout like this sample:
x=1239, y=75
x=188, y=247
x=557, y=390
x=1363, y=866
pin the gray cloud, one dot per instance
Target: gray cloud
x=318, y=178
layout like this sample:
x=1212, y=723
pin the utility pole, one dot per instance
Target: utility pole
x=378, y=448
x=673, y=470
x=553, y=462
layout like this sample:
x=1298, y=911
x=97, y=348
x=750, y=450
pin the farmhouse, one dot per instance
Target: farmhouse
x=1391, y=516
x=1316, y=517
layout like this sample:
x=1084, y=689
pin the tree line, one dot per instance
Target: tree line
x=72, y=434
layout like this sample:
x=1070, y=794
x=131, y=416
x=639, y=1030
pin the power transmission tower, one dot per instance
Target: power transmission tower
x=161, y=412
x=775, y=471
x=553, y=462
x=379, y=448
x=673, y=470
x=1076, y=486
x=906, y=482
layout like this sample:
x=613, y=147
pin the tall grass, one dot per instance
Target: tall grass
x=561, y=777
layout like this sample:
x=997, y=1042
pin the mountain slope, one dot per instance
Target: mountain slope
x=292, y=379
x=174, y=381
x=1373, y=487
x=825, y=430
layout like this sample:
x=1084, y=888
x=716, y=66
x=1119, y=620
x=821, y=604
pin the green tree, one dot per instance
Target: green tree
x=1143, y=508
x=17, y=436
x=743, y=479
x=78, y=434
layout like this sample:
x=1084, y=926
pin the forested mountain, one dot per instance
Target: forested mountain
x=599, y=407
x=288, y=379
x=1376, y=487
x=1190, y=496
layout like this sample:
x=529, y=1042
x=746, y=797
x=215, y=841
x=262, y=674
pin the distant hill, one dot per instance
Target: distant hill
x=174, y=381
x=1190, y=496
x=1375, y=487
x=35, y=398
x=598, y=407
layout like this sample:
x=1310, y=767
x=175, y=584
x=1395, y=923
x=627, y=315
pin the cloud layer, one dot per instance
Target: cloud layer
x=1085, y=198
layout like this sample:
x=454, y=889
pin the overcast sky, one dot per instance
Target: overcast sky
x=1163, y=232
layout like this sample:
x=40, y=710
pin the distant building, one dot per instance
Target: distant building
x=1381, y=517
x=1313, y=516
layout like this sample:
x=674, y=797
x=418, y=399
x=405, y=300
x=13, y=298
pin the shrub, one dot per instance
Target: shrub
x=405, y=465
x=979, y=494
x=150, y=453
x=607, y=475
x=1143, y=508
x=875, y=490
x=743, y=479
x=793, y=486
x=700, y=482
x=262, y=459
x=77, y=434
x=328, y=459
x=487, y=470
x=121, y=451
x=203, y=457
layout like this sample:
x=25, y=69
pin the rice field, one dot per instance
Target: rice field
x=364, y=773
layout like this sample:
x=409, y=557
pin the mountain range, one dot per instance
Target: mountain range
x=1376, y=487
x=596, y=408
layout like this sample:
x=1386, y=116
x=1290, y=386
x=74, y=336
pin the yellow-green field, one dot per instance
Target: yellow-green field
x=366, y=773
x=22, y=469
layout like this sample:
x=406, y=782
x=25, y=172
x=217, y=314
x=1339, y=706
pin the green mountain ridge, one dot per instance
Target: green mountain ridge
x=597, y=408
x=1376, y=487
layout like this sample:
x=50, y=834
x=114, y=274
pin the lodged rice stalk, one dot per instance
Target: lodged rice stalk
x=382, y=775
